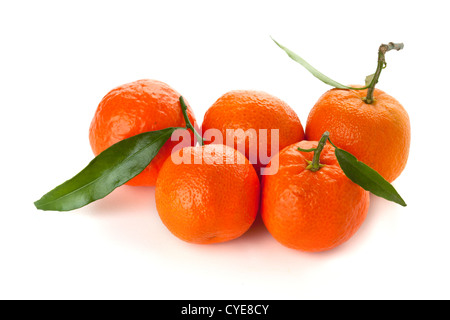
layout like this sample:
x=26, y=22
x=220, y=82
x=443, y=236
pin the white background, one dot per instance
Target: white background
x=59, y=58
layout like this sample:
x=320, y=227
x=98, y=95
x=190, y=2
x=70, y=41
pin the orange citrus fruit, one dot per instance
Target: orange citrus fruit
x=311, y=211
x=253, y=110
x=378, y=134
x=134, y=108
x=212, y=196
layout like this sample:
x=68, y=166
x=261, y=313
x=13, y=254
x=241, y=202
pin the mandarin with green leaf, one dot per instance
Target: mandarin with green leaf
x=310, y=204
x=365, y=121
x=134, y=108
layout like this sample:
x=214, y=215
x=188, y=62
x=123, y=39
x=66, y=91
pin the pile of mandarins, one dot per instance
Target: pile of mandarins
x=216, y=195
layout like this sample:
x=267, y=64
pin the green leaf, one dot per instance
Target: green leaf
x=367, y=177
x=319, y=75
x=109, y=170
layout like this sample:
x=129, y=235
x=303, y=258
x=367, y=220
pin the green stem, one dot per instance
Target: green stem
x=380, y=66
x=188, y=122
x=315, y=165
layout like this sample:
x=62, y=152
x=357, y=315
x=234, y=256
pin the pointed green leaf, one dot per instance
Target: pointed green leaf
x=109, y=170
x=319, y=75
x=367, y=177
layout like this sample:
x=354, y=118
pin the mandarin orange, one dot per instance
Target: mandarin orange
x=133, y=108
x=211, y=196
x=250, y=113
x=311, y=210
x=378, y=134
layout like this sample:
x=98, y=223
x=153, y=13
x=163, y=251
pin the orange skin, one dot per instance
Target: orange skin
x=209, y=202
x=133, y=108
x=244, y=109
x=311, y=211
x=378, y=134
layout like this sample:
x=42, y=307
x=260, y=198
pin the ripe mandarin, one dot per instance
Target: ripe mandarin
x=311, y=210
x=212, y=196
x=133, y=108
x=378, y=134
x=247, y=110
